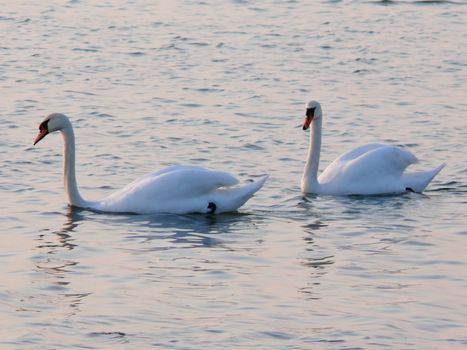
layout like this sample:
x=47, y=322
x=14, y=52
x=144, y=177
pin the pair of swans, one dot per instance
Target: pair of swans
x=369, y=169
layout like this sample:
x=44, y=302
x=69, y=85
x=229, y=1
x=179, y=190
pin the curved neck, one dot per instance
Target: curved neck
x=310, y=174
x=71, y=186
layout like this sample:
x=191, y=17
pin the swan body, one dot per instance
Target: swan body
x=175, y=189
x=366, y=170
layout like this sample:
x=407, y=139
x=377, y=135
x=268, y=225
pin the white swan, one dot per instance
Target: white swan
x=369, y=169
x=175, y=189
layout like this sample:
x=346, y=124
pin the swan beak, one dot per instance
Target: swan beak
x=42, y=133
x=306, y=123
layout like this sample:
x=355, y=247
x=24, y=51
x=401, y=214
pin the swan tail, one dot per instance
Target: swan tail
x=418, y=181
x=231, y=199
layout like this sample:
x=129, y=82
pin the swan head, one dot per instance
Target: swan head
x=53, y=122
x=313, y=111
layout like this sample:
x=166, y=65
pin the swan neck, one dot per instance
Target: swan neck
x=310, y=175
x=71, y=186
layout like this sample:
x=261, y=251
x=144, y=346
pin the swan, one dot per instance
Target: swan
x=366, y=170
x=176, y=189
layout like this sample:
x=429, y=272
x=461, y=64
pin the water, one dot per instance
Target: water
x=223, y=84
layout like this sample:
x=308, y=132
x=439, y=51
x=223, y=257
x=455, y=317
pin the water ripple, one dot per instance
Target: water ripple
x=151, y=85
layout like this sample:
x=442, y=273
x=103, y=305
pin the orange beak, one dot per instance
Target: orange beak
x=42, y=133
x=307, y=122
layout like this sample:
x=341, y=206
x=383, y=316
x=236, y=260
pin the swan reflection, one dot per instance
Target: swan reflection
x=181, y=231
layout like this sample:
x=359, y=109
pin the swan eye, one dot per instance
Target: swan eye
x=44, y=125
x=310, y=112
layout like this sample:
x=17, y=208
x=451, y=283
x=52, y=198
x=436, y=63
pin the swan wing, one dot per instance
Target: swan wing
x=177, y=189
x=377, y=171
x=202, y=178
x=358, y=151
x=169, y=169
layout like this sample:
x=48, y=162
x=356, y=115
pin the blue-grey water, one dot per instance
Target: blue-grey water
x=223, y=84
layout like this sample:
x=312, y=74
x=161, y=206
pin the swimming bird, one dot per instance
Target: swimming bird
x=175, y=189
x=370, y=169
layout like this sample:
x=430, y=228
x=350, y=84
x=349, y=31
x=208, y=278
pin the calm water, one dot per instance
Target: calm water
x=223, y=84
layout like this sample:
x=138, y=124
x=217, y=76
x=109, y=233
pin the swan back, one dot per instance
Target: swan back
x=376, y=171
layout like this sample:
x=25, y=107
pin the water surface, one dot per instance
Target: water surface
x=223, y=84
